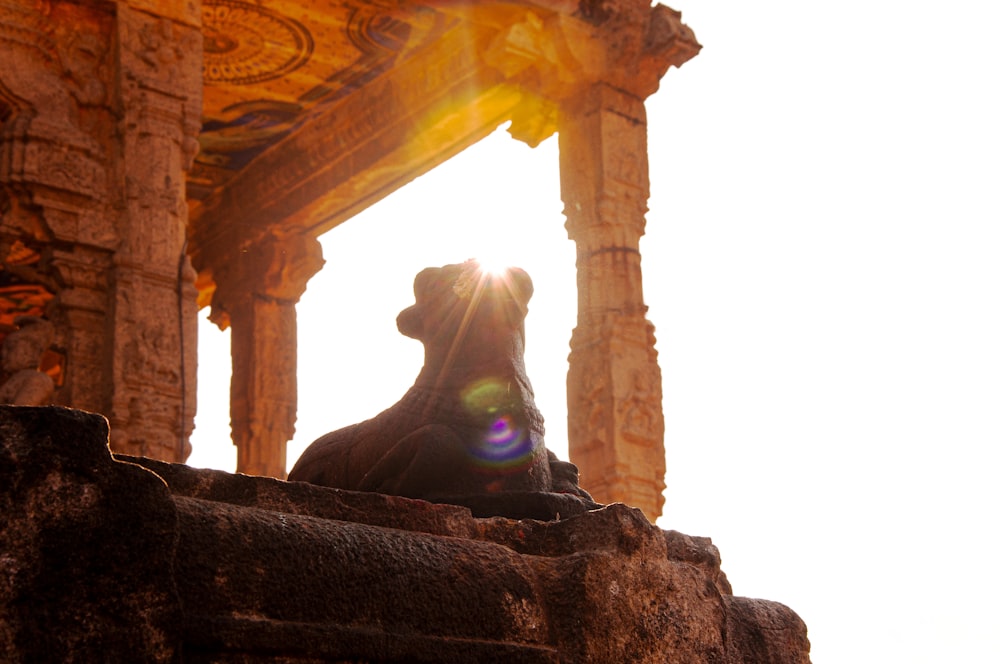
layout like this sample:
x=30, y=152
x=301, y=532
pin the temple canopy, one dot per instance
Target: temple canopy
x=275, y=122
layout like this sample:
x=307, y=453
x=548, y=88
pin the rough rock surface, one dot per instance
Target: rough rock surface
x=86, y=545
x=127, y=559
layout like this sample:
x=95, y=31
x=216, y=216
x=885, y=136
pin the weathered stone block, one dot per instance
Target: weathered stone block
x=86, y=545
x=128, y=559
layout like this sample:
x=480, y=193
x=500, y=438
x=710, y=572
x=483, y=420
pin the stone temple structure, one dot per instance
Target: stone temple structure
x=158, y=156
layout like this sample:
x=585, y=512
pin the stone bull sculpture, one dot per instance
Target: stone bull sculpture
x=469, y=425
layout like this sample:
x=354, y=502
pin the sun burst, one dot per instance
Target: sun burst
x=492, y=266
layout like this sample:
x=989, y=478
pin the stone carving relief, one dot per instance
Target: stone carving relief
x=589, y=400
x=639, y=419
x=53, y=79
x=28, y=40
x=554, y=57
x=83, y=56
x=277, y=267
x=82, y=268
x=150, y=355
x=147, y=188
x=150, y=429
x=163, y=55
x=68, y=41
x=248, y=43
x=21, y=355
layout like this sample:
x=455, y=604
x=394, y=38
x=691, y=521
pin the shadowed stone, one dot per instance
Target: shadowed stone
x=86, y=545
x=130, y=559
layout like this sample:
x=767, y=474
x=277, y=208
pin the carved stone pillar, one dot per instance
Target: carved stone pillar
x=154, y=323
x=257, y=290
x=99, y=111
x=613, y=386
x=614, y=389
x=587, y=76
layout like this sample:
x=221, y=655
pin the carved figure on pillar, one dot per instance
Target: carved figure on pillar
x=22, y=349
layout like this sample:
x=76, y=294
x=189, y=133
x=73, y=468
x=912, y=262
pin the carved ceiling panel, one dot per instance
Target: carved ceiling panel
x=270, y=67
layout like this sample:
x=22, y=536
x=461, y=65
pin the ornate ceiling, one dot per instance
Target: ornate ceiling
x=271, y=68
x=315, y=109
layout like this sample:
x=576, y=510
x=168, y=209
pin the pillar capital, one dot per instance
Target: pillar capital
x=625, y=43
x=275, y=267
x=553, y=54
x=604, y=168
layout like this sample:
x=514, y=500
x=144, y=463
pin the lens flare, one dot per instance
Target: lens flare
x=502, y=432
x=503, y=445
x=485, y=396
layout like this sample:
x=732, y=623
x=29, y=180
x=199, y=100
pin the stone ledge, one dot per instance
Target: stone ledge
x=135, y=560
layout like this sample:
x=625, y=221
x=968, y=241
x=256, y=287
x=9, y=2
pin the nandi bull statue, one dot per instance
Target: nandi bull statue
x=468, y=431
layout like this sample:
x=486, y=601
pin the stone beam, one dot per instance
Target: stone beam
x=373, y=141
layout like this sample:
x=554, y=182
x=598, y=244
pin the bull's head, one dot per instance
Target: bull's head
x=465, y=309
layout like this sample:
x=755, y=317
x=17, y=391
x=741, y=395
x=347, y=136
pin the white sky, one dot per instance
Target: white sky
x=821, y=264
